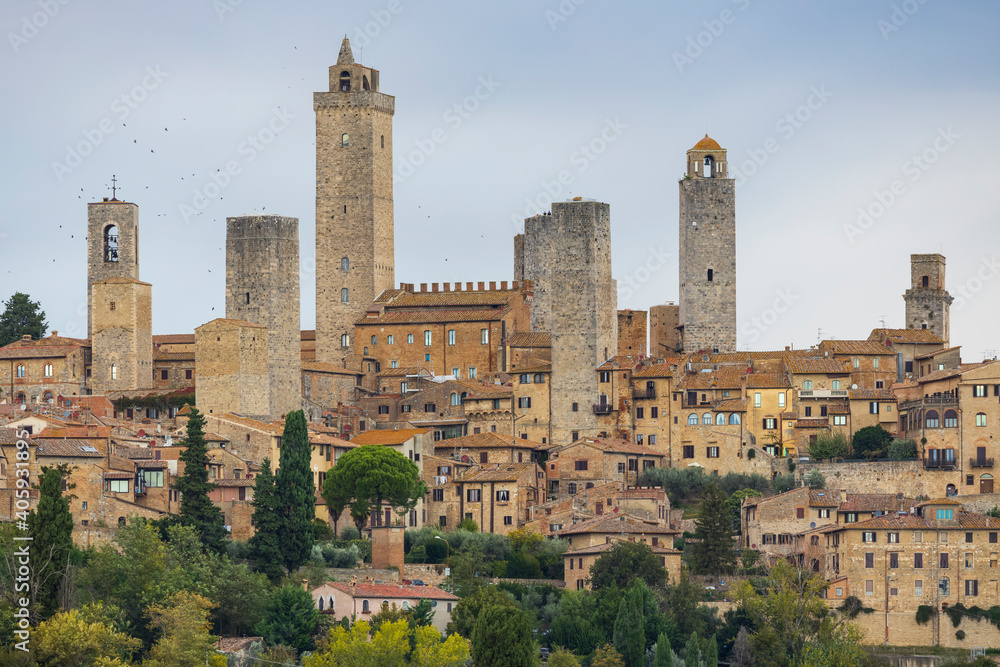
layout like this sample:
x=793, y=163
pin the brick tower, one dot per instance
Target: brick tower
x=354, y=217
x=707, y=251
x=112, y=245
x=262, y=287
x=122, y=338
x=928, y=303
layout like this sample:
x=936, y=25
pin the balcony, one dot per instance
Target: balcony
x=939, y=464
x=602, y=408
x=823, y=393
x=644, y=393
x=929, y=402
x=980, y=463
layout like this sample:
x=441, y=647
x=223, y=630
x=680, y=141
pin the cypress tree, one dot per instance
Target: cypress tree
x=692, y=652
x=714, y=552
x=712, y=652
x=51, y=529
x=629, y=635
x=502, y=638
x=295, y=492
x=197, y=510
x=265, y=545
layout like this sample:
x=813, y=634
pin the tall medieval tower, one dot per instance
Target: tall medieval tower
x=928, y=304
x=707, y=251
x=112, y=246
x=354, y=216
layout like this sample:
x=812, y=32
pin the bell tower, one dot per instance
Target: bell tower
x=928, y=304
x=112, y=245
x=707, y=251
x=354, y=211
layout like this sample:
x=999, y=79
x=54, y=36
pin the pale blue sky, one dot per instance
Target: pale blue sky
x=892, y=79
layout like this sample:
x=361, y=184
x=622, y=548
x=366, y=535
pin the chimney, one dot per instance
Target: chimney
x=503, y=284
x=482, y=286
x=468, y=287
x=493, y=285
x=423, y=287
x=843, y=495
x=434, y=287
x=305, y=585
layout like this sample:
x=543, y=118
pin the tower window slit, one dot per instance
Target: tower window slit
x=710, y=275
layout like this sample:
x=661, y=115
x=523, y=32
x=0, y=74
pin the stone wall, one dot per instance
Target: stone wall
x=906, y=477
x=231, y=356
x=632, y=332
x=664, y=339
x=100, y=265
x=536, y=265
x=354, y=209
x=122, y=321
x=262, y=287
x=905, y=631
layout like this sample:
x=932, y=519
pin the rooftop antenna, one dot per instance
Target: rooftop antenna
x=114, y=186
x=882, y=320
x=819, y=336
x=361, y=57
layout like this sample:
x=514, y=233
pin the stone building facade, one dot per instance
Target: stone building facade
x=40, y=371
x=632, y=332
x=122, y=342
x=664, y=338
x=112, y=245
x=354, y=211
x=707, y=251
x=928, y=303
x=233, y=369
x=262, y=286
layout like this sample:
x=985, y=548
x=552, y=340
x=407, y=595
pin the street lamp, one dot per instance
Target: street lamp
x=448, y=557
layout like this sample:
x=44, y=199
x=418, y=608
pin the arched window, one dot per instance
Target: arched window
x=110, y=243
x=720, y=419
x=345, y=340
x=931, y=419
x=364, y=83
x=571, y=488
x=406, y=605
x=709, y=170
x=734, y=419
x=383, y=141
x=330, y=604
x=20, y=370
x=454, y=398
x=925, y=281
x=345, y=82
x=374, y=340
x=47, y=397
x=114, y=371
x=345, y=264
x=345, y=139
x=319, y=602
x=364, y=606
x=344, y=294
x=950, y=490
x=21, y=399
x=706, y=419
x=121, y=521
x=807, y=385
x=981, y=419
x=692, y=419
x=950, y=419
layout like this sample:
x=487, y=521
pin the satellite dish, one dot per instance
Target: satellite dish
x=812, y=525
x=854, y=386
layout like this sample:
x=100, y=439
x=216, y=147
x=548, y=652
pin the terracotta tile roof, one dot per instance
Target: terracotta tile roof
x=232, y=483
x=731, y=405
x=8, y=436
x=69, y=447
x=488, y=440
x=236, y=644
x=79, y=432
x=274, y=428
x=749, y=355
x=876, y=502
x=223, y=321
x=52, y=340
x=162, y=355
x=904, y=336
x=620, y=362
x=943, y=374
x=855, y=347
x=530, y=339
x=479, y=389
x=118, y=474
x=129, y=452
x=724, y=378
x=35, y=352
x=618, y=523
x=386, y=437
x=393, y=591
x=822, y=499
x=150, y=465
x=161, y=339
x=435, y=315
x=505, y=473
x=663, y=370
x=532, y=365
x=871, y=394
x=650, y=493
x=940, y=501
x=624, y=447
x=811, y=365
x=402, y=372
x=767, y=380
x=789, y=415
x=608, y=546
x=934, y=353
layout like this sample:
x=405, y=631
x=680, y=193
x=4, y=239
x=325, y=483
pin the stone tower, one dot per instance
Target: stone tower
x=928, y=303
x=663, y=338
x=233, y=369
x=354, y=217
x=262, y=287
x=112, y=245
x=122, y=339
x=568, y=255
x=707, y=251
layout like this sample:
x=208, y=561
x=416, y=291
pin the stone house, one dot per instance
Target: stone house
x=527, y=349
x=499, y=497
x=41, y=372
x=652, y=405
x=489, y=407
x=362, y=600
x=584, y=464
x=907, y=344
x=770, y=524
x=489, y=448
x=578, y=562
x=532, y=405
x=617, y=526
x=443, y=501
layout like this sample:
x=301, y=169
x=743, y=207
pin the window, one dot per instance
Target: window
x=153, y=478
x=472, y=372
x=769, y=539
x=484, y=336
x=114, y=372
x=981, y=419
x=835, y=384
x=950, y=419
x=969, y=538
x=851, y=517
x=374, y=341
x=712, y=452
x=524, y=378
x=945, y=515
x=451, y=336
x=734, y=419
x=824, y=514
x=979, y=390
x=474, y=495
x=508, y=520
x=538, y=378
x=869, y=587
x=621, y=470
x=457, y=372
x=800, y=512
x=942, y=536
x=770, y=423
x=633, y=465
x=576, y=407
x=437, y=495
x=503, y=496
x=756, y=399
x=344, y=295
x=605, y=376
x=720, y=419
x=781, y=399
x=807, y=385
x=640, y=413
x=383, y=409
x=993, y=538
x=808, y=411
x=652, y=439
x=893, y=538
x=430, y=407
x=692, y=419
x=580, y=465
x=427, y=337
x=856, y=362
x=409, y=338
x=706, y=419
x=868, y=536
x=943, y=563
x=710, y=275
x=972, y=587
x=688, y=451
x=574, y=436
x=524, y=402
x=931, y=419
x=918, y=587
x=654, y=412
x=840, y=420
x=571, y=488
x=187, y=374
x=118, y=485
x=944, y=586
x=894, y=559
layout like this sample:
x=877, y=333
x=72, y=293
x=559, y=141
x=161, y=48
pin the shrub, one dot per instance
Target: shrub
x=829, y=446
x=815, y=479
x=322, y=531
x=924, y=613
x=960, y=635
x=871, y=441
x=783, y=483
x=350, y=533
x=791, y=465
x=752, y=454
x=468, y=524
x=902, y=449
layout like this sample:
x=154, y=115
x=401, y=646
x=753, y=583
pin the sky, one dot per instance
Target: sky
x=858, y=132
